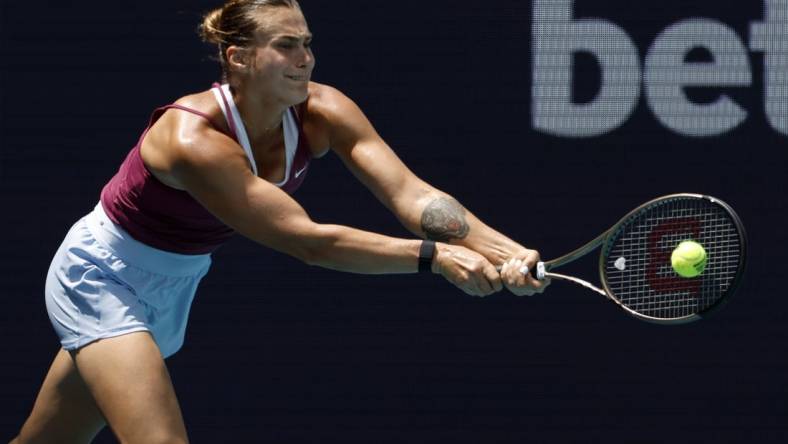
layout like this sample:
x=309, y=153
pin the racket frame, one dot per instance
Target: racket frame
x=544, y=268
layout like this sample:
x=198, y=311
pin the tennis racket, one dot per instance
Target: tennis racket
x=635, y=261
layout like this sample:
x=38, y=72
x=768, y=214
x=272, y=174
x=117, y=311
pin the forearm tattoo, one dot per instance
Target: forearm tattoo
x=444, y=219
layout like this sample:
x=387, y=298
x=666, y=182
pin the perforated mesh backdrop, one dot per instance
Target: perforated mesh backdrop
x=547, y=119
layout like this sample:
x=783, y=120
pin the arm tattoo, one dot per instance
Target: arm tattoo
x=443, y=219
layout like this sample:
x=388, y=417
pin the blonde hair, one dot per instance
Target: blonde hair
x=236, y=24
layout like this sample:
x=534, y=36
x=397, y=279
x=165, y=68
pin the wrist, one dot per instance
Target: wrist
x=426, y=256
x=439, y=250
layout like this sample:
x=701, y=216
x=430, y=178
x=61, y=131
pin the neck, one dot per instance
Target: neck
x=261, y=117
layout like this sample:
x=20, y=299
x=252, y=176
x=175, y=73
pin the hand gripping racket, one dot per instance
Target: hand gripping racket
x=635, y=260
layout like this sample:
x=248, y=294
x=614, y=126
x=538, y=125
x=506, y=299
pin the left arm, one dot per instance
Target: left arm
x=421, y=208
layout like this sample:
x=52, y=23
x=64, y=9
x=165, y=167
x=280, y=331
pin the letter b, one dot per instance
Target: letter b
x=555, y=38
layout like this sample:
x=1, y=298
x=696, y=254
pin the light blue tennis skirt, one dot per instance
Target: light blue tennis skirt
x=102, y=283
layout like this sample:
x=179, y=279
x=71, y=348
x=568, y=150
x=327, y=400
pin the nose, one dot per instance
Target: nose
x=307, y=58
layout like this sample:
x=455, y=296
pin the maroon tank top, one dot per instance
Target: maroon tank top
x=170, y=219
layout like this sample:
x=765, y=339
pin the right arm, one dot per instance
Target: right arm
x=211, y=167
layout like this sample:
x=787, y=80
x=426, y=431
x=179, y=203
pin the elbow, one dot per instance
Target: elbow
x=308, y=256
x=315, y=248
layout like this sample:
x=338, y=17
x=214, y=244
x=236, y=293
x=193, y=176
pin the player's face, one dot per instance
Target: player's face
x=283, y=61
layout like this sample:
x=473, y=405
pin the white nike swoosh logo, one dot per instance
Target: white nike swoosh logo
x=299, y=172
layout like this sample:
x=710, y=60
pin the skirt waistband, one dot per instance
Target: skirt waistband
x=139, y=254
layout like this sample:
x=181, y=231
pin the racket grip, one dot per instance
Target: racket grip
x=539, y=273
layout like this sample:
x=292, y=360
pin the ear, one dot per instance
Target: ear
x=237, y=58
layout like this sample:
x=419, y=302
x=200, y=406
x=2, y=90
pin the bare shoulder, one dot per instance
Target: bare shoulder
x=196, y=137
x=206, y=103
x=202, y=101
x=318, y=116
x=334, y=117
x=180, y=136
x=327, y=102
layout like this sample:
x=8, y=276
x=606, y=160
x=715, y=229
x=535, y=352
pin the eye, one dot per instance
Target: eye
x=291, y=44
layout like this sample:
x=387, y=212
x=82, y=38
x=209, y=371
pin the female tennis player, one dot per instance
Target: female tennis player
x=221, y=161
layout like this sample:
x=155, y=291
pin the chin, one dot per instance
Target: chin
x=298, y=96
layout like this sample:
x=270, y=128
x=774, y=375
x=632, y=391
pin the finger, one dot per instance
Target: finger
x=465, y=283
x=483, y=286
x=531, y=259
x=511, y=281
x=537, y=285
x=526, y=289
x=493, y=278
x=522, y=272
x=515, y=274
x=506, y=273
x=483, y=278
x=469, y=287
x=474, y=286
x=522, y=267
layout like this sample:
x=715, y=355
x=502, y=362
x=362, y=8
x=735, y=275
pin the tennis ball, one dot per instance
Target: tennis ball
x=688, y=259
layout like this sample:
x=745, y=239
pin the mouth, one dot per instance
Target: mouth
x=301, y=78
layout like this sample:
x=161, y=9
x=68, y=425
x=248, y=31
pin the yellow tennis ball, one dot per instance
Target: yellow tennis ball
x=688, y=259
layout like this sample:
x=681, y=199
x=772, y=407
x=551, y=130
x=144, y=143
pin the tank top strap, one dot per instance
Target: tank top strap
x=159, y=111
x=187, y=109
x=230, y=117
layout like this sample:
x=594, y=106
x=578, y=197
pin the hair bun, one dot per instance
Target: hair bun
x=210, y=29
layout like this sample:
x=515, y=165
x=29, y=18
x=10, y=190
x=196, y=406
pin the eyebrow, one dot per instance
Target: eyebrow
x=294, y=37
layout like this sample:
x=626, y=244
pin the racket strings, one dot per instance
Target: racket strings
x=645, y=281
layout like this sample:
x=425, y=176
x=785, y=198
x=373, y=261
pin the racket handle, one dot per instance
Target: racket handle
x=539, y=273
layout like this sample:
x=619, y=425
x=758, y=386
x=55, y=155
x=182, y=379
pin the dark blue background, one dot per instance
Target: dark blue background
x=282, y=352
